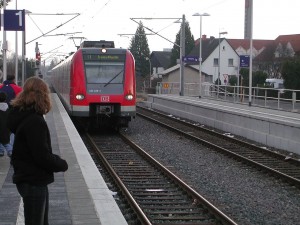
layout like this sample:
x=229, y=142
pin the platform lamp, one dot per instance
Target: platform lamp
x=150, y=70
x=219, y=63
x=200, y=49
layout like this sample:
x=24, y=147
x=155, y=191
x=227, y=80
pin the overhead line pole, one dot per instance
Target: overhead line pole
x=16, y=51
x=4, y=46
x=182, y=54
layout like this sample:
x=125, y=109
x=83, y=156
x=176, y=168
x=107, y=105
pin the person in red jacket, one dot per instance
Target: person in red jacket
x=10, y=87
x=32, y=159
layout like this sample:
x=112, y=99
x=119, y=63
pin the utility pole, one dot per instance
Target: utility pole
x=4, y=47
x=182, y=54
x=16, y=49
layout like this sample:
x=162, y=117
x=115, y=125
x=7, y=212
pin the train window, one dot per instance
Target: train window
x=104, y=72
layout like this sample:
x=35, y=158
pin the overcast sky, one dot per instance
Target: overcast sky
x=106, y=19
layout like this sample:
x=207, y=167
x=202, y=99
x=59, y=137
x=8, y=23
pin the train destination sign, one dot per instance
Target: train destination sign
x=104, y=57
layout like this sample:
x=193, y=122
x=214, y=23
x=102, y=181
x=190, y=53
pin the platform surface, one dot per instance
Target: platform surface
x=78, y=196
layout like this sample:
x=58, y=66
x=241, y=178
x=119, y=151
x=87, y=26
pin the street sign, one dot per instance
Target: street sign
x=14, y=20
x=244, y=61
x=190, y=59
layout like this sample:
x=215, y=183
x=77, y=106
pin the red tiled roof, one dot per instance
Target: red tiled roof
x=245, y=43
x=268, y=46
x=294, y=39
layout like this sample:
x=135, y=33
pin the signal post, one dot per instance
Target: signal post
x=37, y=60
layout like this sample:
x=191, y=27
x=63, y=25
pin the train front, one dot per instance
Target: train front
x=106, y=93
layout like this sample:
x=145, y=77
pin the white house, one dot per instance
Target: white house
x=229, y=62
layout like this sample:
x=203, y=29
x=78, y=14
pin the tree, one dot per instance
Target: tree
x=2, y=1
x=189, y=44
x=258, y=77
x=233, y=81
x=291, y=74
x=244, y=77
x=140, y=49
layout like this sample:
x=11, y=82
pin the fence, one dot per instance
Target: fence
x=281, y=99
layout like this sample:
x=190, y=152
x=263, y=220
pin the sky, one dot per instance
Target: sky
x=112, y=20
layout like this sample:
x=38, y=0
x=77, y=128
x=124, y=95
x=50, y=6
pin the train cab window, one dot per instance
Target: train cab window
x=104, y=72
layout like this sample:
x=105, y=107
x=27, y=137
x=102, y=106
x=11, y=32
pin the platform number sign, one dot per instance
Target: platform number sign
x=14, y=20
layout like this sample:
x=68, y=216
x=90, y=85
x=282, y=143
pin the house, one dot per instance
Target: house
x=160, y=61
x=268, y=54
x=172, y=75
x=210, y=63
x=264, y=54
x=242, y=46
x=219, y=59
x=287, y=46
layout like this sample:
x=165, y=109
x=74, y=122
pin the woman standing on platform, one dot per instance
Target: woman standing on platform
x=32, y=157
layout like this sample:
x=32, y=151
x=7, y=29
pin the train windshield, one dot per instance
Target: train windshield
x=104, y=72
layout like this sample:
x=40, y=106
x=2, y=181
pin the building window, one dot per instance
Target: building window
x=216, y=62
x=230, y=62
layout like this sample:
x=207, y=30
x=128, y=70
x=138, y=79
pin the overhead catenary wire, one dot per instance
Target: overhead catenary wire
x=76, y=15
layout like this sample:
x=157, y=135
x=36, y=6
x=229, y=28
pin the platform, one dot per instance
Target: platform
x=78, y=196
x=271, y=127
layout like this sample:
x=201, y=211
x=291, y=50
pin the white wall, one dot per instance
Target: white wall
x=226, y=53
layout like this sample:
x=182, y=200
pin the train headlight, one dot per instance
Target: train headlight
x=129, y=97
x=79, y=97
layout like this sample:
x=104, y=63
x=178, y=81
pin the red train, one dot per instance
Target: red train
x=97, y=83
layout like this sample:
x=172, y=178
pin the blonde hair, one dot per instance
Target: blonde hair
x=35, y=94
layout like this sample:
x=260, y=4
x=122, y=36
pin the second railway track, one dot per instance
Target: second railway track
x=277, y=164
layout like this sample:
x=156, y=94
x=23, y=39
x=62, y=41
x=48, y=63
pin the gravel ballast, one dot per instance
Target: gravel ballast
x=246, y=195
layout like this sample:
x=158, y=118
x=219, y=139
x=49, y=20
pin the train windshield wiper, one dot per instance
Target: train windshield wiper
x=113, y=78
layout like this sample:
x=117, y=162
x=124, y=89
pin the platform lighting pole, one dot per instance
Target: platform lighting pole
x=251, y=53
x=148, y=58
x=4, y=46
x=24, y=51
x=200, y=50
x=219, y=63
x=150, y=72
x=16, y=51
x=182, y=53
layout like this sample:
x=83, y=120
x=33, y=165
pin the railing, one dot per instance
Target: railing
x=281, y=99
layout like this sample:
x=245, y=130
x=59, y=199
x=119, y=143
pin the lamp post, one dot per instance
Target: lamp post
x=200, y=49
x=219, y=63
x=4, y=48
x=149, y=71
x=24, y=51
x=16, y=51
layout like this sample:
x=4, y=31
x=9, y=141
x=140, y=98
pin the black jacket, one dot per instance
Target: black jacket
x=32, y=157
x=4, y=132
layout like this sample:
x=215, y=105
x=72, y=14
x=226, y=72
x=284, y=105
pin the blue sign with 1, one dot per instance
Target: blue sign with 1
x=14, y=20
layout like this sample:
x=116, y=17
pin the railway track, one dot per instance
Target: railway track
x=279, y=165
x=156, y=195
